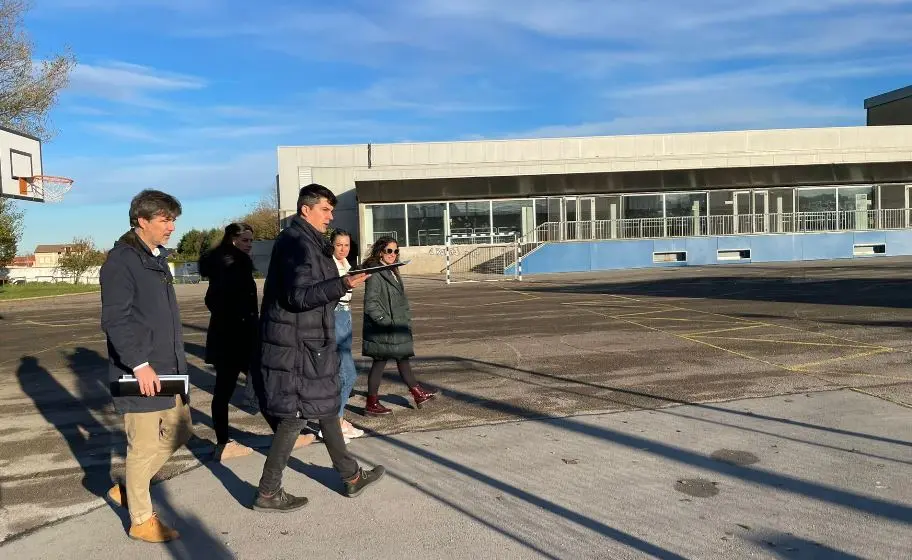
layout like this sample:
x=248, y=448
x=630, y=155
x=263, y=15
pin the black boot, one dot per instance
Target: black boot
x=355, y=486
x=281, y=501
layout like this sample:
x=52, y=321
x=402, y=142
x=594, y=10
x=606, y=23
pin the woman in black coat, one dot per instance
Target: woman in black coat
x=387, y=330
x=232, y=303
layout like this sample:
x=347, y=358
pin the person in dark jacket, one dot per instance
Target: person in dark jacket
x=387, y=327
x=141, y=321
x=232, y=303
x=297, y=374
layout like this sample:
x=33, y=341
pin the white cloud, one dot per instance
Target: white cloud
x=730, y=117
x=129, y=83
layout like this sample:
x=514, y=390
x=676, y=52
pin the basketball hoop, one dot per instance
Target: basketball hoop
x=47, y=187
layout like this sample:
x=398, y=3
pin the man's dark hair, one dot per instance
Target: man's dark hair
x=311, y=194
x=151, y=203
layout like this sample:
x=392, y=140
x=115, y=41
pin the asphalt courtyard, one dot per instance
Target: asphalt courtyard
x=549, y=347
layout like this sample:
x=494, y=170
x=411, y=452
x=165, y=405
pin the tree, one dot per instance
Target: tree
x=81, y=256
x=10, y=230
x=190, y=243
x=196, y=242
x=28, y=88
x=264, y=217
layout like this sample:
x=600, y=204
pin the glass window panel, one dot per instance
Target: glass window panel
x=682, y=204
x=389, y=220
x=425, y=224
x=470, y=218
x=512, y=217
x=850, y=198
x=817, y=200
x=782, y=197
x=643, y=206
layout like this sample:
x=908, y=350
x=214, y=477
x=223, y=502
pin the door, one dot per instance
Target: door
x=570, y=218
x=586, y=218
x=741, y=212
x=907, y=214
x=761, y=212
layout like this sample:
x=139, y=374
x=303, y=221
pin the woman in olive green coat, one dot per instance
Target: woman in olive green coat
x=387, y=332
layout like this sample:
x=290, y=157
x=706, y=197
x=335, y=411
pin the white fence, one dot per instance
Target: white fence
x=31, y=274
x=183, y=274
x=471, y=258
x=688, y=226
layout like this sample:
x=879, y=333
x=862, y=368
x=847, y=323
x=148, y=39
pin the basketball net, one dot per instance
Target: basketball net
x=47, y=187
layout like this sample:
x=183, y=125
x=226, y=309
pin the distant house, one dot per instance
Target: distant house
x=26, y=261
x=49, y=255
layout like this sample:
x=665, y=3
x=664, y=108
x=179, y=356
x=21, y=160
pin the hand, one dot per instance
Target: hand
x=149, y=384
x=355, y=280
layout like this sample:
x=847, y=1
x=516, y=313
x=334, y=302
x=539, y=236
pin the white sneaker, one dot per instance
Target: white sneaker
x=344, y=436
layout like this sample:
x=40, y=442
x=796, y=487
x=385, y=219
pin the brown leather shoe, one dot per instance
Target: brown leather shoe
x=118, y=495
x=153, y=531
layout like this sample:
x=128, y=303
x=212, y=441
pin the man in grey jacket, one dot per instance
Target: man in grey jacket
x=141, y=321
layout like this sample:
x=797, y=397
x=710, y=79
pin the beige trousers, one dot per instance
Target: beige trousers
x=152, y=437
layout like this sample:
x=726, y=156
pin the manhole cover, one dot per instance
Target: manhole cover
x=734, y=457
x=697, y=487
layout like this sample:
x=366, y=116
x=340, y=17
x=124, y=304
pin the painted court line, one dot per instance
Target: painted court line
x=849, y=357
x=794, y=369
x=797, y=342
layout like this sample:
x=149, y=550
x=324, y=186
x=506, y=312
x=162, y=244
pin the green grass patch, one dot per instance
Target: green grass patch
x=39, y=289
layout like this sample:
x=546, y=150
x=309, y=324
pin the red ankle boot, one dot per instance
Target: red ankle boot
x=374, y=408
x=421, y=395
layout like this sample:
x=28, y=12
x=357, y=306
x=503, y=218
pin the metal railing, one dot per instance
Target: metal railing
x=742, y=224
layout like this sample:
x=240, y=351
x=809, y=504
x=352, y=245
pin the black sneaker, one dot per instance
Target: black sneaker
x=353, y=488
x=281, y=502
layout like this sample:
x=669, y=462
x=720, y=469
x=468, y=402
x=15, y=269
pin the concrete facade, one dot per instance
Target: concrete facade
x=375, y=171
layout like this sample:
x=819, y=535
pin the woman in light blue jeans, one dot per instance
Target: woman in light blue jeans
x=341, y=244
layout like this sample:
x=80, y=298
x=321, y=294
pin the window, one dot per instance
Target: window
x=425, y=224
x=470, y=219
x=512, y=217
x=643, y=206
x=817, y=200
x=685, y=204
x=388, y=220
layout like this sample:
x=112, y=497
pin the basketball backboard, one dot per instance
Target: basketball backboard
x=20, y=156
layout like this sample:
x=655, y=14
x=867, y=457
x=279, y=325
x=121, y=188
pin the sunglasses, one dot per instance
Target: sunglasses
x=391, y=251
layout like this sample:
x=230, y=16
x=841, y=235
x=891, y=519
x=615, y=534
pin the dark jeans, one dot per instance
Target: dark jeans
x=376, y=374
x=287, y=431
x=226, y=379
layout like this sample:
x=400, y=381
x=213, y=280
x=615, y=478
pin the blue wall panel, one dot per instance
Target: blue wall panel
x=701, y=250
x=625, y=254
x=558, y=257
x=898, y=242
x=871, y=236
x=822, y=246
x=613, y=255
x=775, y=248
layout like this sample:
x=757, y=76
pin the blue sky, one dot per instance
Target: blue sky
x=193, y=96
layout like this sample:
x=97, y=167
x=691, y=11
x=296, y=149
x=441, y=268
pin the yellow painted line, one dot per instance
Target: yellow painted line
x=678, y=335
x=723, y=330
x=773, y=325
x=745, y=339
x=647, y=312
x=791, y=369
x=843, y=358
x=698, y=320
